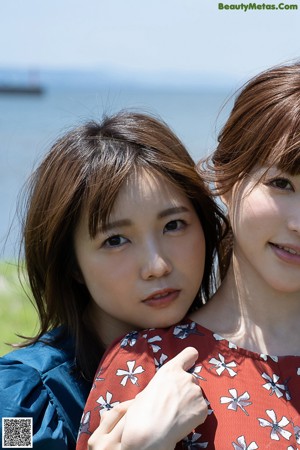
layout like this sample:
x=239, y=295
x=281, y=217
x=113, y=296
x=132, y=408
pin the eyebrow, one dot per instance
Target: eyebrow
x=127, y=222
x=171, y=211
x=116, y=224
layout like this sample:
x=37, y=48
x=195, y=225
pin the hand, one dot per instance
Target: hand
x=108, y=435
x=168, y=409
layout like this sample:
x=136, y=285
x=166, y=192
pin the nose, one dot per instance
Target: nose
x=294, y=220
x=154, y=263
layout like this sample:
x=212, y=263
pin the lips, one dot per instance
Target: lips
x=290, y=249
x=287, y=253
x=162, y=297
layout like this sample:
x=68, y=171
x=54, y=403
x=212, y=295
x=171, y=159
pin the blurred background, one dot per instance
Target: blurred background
x=66, y=61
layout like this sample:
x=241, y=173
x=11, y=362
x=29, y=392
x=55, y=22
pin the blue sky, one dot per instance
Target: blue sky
x=187, y=36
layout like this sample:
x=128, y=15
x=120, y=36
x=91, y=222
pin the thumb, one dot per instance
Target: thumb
x=186, y=358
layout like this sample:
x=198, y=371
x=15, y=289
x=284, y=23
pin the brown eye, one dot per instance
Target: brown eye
x=281, y=183
x=174, y=225
x=115, y=241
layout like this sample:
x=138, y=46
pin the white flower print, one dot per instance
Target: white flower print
x=265, y=357
x=276, y=427
x=209, y=411
x=220, y=365
x=236, y=401
x=161, y=361
x=195, y=371
x=152, y=341
x=129, y=374
x=191, y=443
x=298, y=371
x=184, y=331
x=84, y=424
x=297, y=433
x=241, y=444
x=272, y=385
x=220, y=338
x=130, y=339
x=98, y=376
x=105, y=403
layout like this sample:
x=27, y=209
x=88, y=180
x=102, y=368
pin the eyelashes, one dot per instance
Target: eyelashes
x=281, y=183
x=119, y=240
x=114, y=241
x=175, y=225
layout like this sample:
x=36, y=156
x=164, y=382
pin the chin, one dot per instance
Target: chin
x=168, y=322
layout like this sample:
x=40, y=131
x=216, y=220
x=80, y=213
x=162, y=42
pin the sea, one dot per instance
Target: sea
x=29, y=124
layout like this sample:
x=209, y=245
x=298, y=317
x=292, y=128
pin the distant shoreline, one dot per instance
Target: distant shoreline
x=21, y=90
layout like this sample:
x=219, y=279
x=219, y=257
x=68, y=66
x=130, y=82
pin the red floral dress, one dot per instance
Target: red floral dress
x=253, y=400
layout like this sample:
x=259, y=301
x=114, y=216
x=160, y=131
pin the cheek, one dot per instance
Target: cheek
x=94, y=273
x=252, y=212
x=192, y=255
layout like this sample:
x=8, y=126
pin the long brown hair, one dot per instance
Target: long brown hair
x=85, y=169
x=263, y=129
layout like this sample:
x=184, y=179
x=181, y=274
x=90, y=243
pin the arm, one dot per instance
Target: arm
x=168, y=409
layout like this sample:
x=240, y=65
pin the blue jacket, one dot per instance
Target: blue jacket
x=39, y=382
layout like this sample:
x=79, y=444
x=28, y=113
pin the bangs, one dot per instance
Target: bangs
x=287, y=159
x=290, y=162
x=99, y=200
x=101, y=187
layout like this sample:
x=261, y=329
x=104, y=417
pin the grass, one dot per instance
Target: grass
x=17, y=314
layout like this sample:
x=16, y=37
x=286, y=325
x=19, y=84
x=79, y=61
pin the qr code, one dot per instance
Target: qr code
x=17, y=432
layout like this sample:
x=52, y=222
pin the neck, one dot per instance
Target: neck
x=108, y=328
x=248, y=312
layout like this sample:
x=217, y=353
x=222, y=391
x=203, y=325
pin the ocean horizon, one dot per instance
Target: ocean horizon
x=30, y=124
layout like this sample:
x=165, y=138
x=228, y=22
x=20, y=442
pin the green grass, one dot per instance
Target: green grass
x=17, y=314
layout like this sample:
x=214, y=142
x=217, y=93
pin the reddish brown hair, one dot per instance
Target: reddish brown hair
x=263, y=128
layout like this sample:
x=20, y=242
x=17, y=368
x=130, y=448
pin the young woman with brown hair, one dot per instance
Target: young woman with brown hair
x=120, y=233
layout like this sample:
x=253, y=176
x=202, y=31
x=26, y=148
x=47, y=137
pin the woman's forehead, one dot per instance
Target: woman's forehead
x=144, y=185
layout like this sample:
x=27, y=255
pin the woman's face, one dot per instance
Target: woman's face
x=265, y=217
x=145, y=268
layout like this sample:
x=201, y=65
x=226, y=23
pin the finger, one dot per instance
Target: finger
x=108, y=437
x=110, y=418
x=186, y=358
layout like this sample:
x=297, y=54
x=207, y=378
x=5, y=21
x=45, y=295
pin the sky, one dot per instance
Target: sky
x=190, y=37
x=145, y=39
